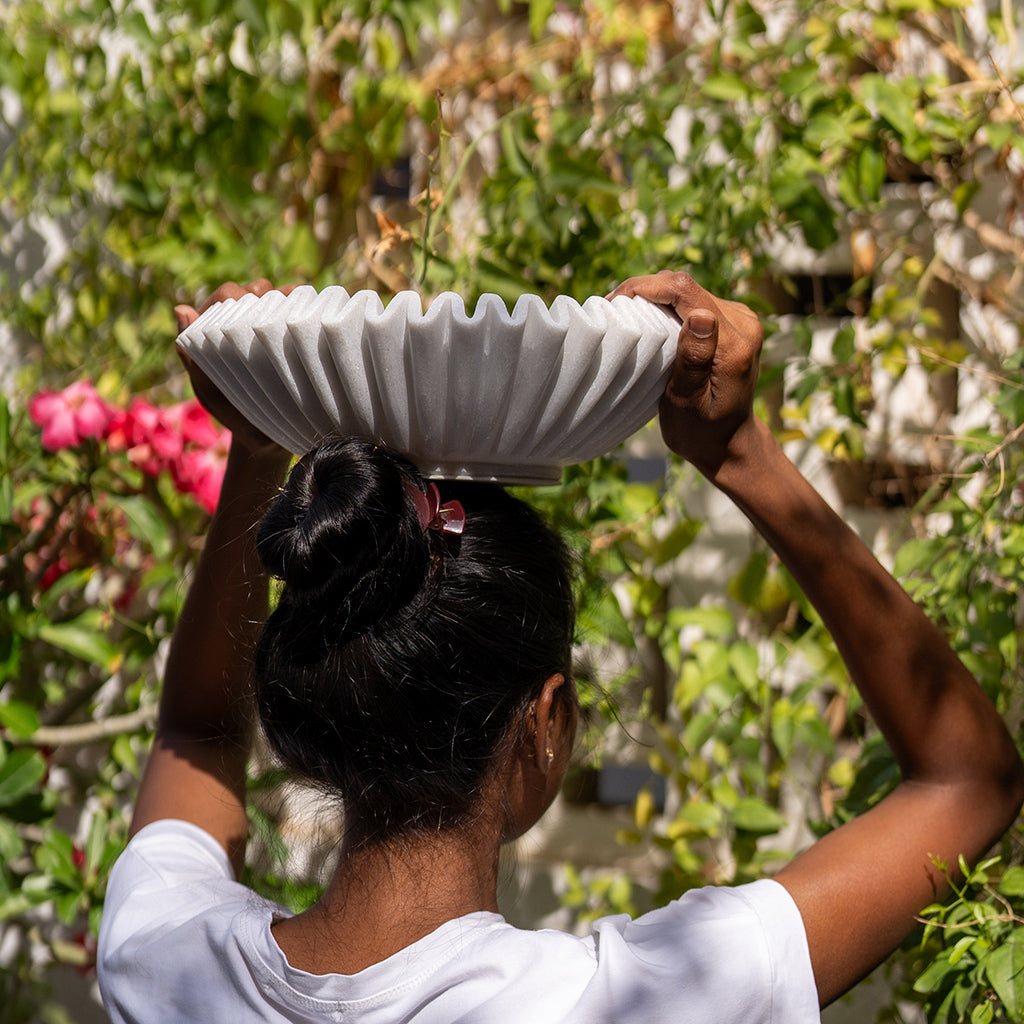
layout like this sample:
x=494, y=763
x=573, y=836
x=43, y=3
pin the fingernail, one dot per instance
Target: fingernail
x=181, y=315
x=702, y=325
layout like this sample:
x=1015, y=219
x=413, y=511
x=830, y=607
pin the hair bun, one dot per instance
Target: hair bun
x=341, y=529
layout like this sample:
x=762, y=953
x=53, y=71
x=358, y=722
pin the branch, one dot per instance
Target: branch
x=1010, y=438
x=92, y=732
x=1006, y=88
x=993, y=237
x=953, y=53
x=971, y=69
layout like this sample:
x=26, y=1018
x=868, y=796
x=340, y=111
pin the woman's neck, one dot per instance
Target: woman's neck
x=382, y=899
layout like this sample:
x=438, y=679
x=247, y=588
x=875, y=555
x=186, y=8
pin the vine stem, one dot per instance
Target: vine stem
x=439, y=97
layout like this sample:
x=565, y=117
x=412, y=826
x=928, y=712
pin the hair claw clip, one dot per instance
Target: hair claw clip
x=449, y=518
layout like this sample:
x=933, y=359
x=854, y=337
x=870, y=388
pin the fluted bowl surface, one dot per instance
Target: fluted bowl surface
x=495, y=395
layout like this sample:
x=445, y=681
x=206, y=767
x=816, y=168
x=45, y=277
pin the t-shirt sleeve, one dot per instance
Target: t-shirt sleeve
x=740, y=952
x=170, y=873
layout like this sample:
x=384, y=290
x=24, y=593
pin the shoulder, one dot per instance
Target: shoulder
x=173, y=866
x=172, y=910
x=170, y=872
x=729, y=953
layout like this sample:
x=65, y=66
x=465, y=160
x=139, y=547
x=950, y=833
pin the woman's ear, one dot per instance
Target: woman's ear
x=541, y=758
x=550, y=722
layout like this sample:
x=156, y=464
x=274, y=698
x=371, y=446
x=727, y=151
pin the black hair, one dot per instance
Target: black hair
x=399, y=659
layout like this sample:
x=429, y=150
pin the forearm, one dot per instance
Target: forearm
x=206, y=679
x=939, y=724
x=963, y=781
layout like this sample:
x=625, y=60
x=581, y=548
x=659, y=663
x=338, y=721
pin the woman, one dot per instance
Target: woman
x=422, y=673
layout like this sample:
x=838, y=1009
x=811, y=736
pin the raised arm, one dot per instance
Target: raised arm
x=196, y=770
x=859, y=888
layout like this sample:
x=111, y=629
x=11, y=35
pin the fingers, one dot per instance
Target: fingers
x=698, y=310
x=676, y=289
x=228, y=290
x=185, y=315
x=695, y=356
x=233, y=290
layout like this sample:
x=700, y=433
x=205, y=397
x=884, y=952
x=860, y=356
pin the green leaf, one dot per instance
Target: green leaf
x=982, y=1013
x=1004, y=967
x=1012, y=882
x=14, y=905
x=844, y=345
x=797, y=81
x=11, y=844
x=19, y=775
x=148, y=524
x=725, y=87
x=891, y=102
x=697, y=814
x=963, y=195
x=933, y=976
x=753, y=815
x=124, y=754
x=540, y=12
x=19, y=719
x=745, y=663
x=871, y=168
x=914, y=555
x=714, y=621
x=677, y=540
x=6, y=481
x=82, y=638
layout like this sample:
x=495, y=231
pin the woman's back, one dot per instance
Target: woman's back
x=417, y=667
x=729, y=955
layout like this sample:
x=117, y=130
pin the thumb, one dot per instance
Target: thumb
x=695, y=355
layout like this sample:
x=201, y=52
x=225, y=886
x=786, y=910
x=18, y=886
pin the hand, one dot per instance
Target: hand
x=209, y=395
x=709, y=397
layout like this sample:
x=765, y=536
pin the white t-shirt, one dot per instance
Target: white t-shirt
x=182, y=941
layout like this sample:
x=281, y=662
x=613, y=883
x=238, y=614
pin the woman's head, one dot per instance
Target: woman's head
x=400, y=661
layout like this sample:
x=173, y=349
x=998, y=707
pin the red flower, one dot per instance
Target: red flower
x=70, y=416
x=54, y=571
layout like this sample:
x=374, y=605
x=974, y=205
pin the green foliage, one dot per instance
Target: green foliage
x=973, y=946
x=554, y=148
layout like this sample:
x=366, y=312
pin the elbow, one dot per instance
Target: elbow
x=1003, y=794
x=990, y=794
x=1013, y=787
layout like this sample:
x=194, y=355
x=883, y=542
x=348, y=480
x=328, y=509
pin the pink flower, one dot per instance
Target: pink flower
x=70, y=416
x=152, y=439
x=200, y=470
x=194, y=423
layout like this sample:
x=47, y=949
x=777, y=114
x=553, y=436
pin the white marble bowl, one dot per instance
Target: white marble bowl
x=491, y=396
